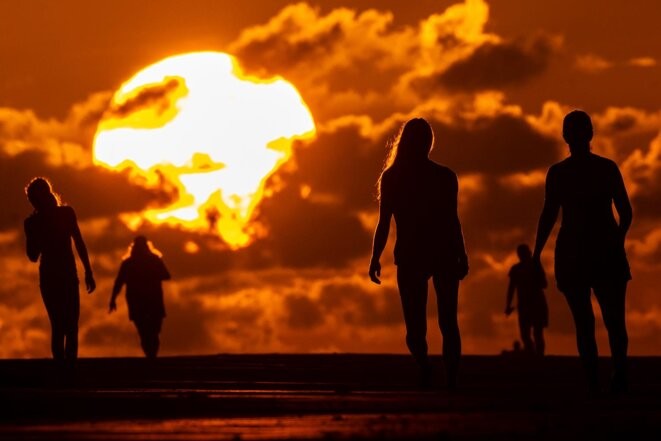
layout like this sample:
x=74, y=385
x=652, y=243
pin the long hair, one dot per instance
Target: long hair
x=40, y=194
x=410, y=146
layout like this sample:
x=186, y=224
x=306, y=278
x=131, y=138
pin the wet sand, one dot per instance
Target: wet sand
x=335, y=396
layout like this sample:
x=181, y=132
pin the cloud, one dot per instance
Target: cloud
x=643, y=172
x=86, y=188
x=345, y=57
x=159, y=97
x=61, y=151
x=643, y=62
x=592, y=63
x=500, y=145
x=300, y=34
x=497, y=64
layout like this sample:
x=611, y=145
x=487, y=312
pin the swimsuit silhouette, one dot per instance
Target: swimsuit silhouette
x=422, y=197
x=48, y=232
x=142, y=273
x=589, y=253
x=527, y=280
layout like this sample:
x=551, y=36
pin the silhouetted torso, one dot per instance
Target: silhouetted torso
x=143, y=275
x=530, y=281
x=423, y=202
x=589, y=245
x=51, y=230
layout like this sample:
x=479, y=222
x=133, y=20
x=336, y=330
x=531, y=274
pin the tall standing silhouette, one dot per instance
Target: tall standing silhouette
x=422, y=197
x=48, y=233
x=527, y=280
x=142, y=272
x=589, y=252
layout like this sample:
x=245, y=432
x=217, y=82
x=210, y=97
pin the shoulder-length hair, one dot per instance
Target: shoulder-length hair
x=142, y=247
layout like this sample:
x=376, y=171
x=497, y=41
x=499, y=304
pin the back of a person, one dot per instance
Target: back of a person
x=144, y=292
x=585, y=190
x=423, y=202
x=529, y=281
x=54, y=228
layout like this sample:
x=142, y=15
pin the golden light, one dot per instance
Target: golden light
x=195, y=121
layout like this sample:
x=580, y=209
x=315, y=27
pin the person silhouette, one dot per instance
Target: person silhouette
x=528, y=280
x=48, y=233
x=142, y=272
x=422, y=197
x=589, y=251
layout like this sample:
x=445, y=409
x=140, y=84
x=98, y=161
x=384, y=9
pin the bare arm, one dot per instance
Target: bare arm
x=457, y=233
x=82, y=253
x=380, y=240
x=549, y=215
x=117, y=287
x=622, y=204
x=32, y=246
x=510, y=297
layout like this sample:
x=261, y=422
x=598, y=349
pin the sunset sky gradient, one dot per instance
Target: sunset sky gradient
x=494, y=78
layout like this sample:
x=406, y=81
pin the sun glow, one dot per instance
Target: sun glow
x=197, y=123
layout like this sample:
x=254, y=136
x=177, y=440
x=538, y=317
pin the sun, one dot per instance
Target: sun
x=198, y=123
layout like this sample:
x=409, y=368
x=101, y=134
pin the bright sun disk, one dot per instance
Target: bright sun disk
x=213, y=132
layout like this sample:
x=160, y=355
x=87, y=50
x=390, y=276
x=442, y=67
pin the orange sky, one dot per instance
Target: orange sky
x=494, y=78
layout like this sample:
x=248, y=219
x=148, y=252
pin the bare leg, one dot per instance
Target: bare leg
x=524, y=330
x=578, y=299
x=540, y=345
x=149, y=329
x=611, y=298
x=72, y=315
x=412, y=285
x=57, y=339
x=447, y=290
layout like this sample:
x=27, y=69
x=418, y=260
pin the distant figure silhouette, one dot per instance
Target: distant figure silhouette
x=515, y=351
x=142, y=272
x=528, y=280
x=589, y=252
x=48, y=233
x=422, y=196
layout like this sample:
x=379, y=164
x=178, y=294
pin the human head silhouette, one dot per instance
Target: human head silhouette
x=524, y=253
x=40, y=194
x=140, y=246
x=577, y=131
x=414, y=142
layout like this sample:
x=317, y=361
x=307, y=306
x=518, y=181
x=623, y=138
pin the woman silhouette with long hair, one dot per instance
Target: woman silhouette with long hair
x=422, y=197
x=142, y=272
x=589, y=251
x=48, y=232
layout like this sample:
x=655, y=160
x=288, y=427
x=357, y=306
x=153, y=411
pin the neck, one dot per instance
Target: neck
x=579, y=149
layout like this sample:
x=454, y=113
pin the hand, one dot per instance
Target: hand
x=508, y=310
x=462, y=267
x=90, y=283
x=112, y=307
x=375, y=271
